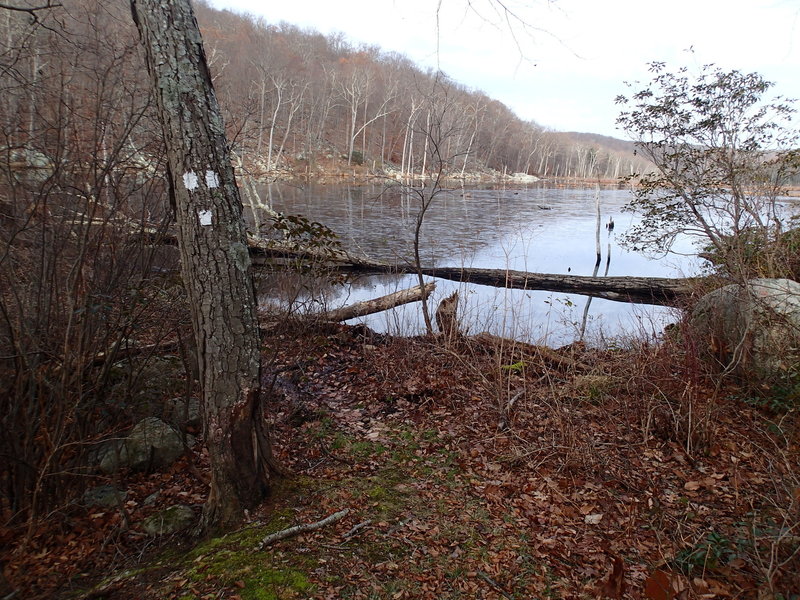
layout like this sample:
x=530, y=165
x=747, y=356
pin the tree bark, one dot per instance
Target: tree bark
x=215, y=263
x=447, y=317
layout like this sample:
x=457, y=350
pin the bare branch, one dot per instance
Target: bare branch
x=35, y=21
x=303, y=528
x=31, y=10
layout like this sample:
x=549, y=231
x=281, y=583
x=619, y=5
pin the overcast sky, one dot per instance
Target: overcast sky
x=565, y=70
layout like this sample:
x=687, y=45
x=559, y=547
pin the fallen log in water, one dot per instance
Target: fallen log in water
x=360, y=309
x=644, y=290
x=368, y=307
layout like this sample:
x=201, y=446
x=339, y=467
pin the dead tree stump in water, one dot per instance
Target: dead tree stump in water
x=447, y=317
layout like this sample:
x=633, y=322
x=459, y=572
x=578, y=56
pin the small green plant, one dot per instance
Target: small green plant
x=516, y=367
x=785, y=392
x=780, y=396
x=713, y=551
x=339, y=441
x=565, y=301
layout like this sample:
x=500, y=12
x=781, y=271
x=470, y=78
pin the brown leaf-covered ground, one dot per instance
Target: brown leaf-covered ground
x=475, y=469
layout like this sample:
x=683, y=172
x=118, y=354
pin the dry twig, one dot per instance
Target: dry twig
x=303, y=528
x=356, y=528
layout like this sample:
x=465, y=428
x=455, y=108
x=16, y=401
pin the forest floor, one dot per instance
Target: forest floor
x=475, y=469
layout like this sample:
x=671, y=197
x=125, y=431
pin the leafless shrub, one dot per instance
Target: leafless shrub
x=84, y=279
x=773, y=528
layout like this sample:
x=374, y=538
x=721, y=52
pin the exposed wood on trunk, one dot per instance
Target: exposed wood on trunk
x=368, y=307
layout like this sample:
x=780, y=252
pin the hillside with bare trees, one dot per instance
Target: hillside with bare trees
x=299, y=101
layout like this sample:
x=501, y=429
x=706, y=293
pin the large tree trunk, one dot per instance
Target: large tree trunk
x=215, y=263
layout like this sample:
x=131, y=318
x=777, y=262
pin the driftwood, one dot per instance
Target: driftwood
x=368, y=307
x=644, y=290
x=356, y=528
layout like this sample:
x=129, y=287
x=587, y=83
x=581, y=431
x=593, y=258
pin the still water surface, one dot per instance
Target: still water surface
x=538, y=229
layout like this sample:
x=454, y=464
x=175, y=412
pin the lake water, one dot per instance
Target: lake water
x=538, y=229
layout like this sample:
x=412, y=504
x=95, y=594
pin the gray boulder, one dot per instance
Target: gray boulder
x=151, y=444
x=172, y=519
x=183, y=413
x=139, y=386
x=753, y=329
x=105, y=496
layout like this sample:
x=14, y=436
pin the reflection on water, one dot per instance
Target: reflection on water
x=535, y=229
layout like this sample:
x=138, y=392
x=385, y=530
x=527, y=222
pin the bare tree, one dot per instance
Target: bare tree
x=440, y=127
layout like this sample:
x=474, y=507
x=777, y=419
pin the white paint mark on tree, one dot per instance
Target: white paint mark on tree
x=212, y=179
x=205, y=217
x=190, y=180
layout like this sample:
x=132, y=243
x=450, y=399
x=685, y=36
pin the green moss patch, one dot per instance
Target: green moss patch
x=233, y=561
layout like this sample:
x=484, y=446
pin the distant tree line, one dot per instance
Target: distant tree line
x=295, y=98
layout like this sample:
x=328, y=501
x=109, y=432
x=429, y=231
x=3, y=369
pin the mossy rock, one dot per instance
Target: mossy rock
x=183, y=413
x=170, y=520
x=139, y=387
x=753, y=329
x=151, y=444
